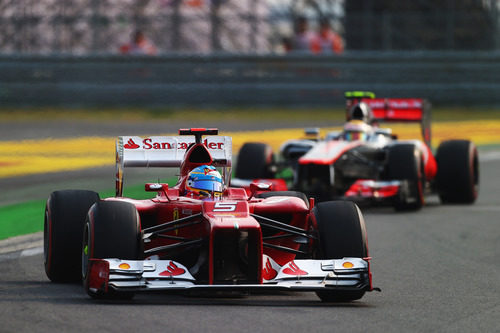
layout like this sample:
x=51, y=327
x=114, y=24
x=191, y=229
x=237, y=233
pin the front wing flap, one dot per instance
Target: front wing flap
x=369, y=189
x=167, y=275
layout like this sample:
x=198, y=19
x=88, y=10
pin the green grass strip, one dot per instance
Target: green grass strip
x=21, y=219
x=25, y=218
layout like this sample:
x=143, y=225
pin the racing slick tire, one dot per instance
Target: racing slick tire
x=457, y=179
x=342, y=233
x=65, y=213
x=112, y=230
x=405, y=163
x=255, y=161
x=295, y=194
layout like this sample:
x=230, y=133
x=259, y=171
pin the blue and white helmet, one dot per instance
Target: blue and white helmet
x=205, y=182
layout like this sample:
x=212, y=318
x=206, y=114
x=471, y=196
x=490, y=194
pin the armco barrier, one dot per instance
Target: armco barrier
x=242, y=80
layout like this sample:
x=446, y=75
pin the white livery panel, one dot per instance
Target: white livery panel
x=300, y=275
x=168, y=151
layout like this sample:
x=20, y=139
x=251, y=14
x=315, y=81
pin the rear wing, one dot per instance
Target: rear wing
x=403, y=110
x=165, y=151
x=396, y=110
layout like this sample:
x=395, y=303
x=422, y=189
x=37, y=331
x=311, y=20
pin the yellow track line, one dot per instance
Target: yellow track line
x=52, y=155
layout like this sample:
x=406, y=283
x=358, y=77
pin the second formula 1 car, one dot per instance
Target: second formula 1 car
x=367, y=163
x=202, y=235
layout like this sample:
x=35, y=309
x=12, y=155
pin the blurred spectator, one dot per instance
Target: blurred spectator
x=286, y=44
x=326, y=40
x=301, y=40
x=139, y=45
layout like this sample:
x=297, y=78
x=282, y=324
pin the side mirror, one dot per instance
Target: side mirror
x=259, y=187
x=156, y=187
x=312, y=133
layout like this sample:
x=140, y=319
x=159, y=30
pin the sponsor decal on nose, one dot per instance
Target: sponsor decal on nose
x=293, y=269
x=172, y=270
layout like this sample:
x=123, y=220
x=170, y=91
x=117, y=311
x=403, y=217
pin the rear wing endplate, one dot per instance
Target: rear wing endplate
x=165, y=151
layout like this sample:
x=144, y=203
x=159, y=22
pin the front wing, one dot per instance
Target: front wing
x=166, y=275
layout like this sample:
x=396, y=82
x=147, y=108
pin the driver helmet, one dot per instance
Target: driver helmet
x=360, y=111
x=356, y=130
x=204, y=182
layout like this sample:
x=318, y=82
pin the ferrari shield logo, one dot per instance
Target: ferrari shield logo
x=176, y=217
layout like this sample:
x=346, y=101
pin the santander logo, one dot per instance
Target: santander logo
x=131, y=144
x=173, y=270
x=293, y=269
x=269, y=273
x=148, y=144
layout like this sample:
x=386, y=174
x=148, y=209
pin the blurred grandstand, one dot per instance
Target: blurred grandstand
x=83, y=27
x=69, y=53
x=101, y=26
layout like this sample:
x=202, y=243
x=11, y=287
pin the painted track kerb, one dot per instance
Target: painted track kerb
x=21, y=246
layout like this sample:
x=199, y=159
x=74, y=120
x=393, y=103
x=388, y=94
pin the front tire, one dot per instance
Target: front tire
x=65, y=213
x=405, y=163
x=457, y=178
x=342, y=233
x=112, y=230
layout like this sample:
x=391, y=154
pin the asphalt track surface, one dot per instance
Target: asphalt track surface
x=438, y=270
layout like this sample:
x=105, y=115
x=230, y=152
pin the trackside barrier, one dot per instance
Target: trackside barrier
x=243, y=80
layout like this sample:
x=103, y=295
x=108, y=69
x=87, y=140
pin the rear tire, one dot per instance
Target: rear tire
x=342, y=233
x=457, y=179
x=255, y=161
x=405, y=163
x=65, y=213
x=112, y=230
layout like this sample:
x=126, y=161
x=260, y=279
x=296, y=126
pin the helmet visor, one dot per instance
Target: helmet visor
x=355, y=135
x=206, y=185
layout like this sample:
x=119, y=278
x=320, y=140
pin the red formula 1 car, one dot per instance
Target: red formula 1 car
x=202, y=234
x=367, y=163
